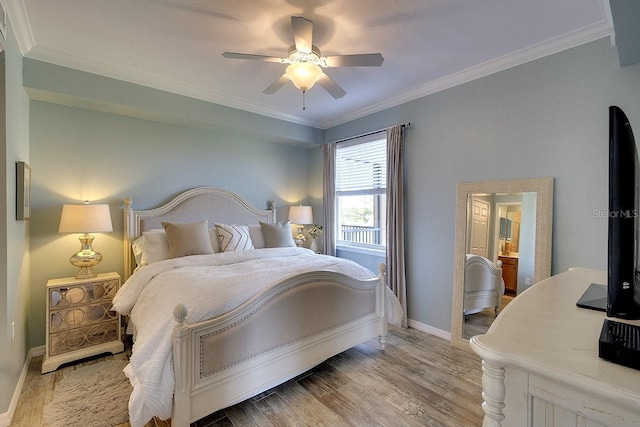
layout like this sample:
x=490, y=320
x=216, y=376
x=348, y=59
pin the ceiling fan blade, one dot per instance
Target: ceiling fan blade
x=302, y=33
x=358, y=60
x=330, y=86
x=273, y=88
x=235, y=55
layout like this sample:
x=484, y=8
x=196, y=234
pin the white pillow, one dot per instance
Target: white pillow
x=215, y=241
x=156, y=248
x=138, y=247
x=234, y=237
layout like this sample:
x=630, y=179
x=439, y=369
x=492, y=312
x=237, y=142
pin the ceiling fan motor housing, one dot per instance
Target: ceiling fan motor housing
x=314, y=57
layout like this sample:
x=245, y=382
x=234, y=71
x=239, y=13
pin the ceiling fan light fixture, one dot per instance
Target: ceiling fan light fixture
x=303, y=75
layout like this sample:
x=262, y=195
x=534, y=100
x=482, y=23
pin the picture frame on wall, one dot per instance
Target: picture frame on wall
x=23, y=191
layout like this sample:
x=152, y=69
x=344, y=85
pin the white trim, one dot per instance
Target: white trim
x=567, y=41
x=38, y=351
x=6, y=417
x=362, y=250
x=17, y=15
x=446, y=335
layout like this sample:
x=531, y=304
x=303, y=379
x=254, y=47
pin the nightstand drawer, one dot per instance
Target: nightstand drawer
x=86, y=315
x=79, y=338
x=73, y=295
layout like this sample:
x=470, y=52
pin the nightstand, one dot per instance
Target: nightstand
x=80, y=322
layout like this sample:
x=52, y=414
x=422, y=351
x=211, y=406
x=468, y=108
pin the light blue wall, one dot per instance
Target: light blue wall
x=545, y=118
x=626, y=14
x=14, y=240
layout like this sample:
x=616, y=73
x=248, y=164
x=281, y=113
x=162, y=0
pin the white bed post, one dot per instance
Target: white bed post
x=181, y=358
x=128, y=230
x=382, y=305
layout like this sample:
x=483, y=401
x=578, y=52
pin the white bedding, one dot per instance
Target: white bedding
x=150, y=295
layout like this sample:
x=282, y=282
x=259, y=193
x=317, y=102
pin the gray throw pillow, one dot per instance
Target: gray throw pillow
x=277, y=235
x=188, y=239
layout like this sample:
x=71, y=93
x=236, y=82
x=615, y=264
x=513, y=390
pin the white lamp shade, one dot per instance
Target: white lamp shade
x=301, y=214
x=303, y=75
x=85, y=219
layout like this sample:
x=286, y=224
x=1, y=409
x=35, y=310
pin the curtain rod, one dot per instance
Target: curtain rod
x=373, y=132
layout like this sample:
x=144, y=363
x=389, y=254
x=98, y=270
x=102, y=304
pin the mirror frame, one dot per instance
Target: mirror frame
x=544, y=220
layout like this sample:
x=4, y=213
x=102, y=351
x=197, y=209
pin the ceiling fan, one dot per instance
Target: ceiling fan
x=305, y=62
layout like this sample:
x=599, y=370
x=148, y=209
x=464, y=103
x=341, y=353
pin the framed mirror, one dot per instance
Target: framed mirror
x=500, y=234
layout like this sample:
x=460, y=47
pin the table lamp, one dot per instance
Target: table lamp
x=300, y=215
x=85, y=219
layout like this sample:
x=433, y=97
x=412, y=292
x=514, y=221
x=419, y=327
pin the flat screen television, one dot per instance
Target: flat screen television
x=621, y=296
x=623, y=286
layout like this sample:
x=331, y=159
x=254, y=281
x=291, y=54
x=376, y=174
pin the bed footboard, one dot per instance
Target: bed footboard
x=270, y=339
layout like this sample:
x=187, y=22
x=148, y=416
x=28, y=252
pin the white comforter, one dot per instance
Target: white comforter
x=209, y=285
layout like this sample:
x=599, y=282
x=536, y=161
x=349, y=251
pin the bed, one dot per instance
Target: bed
x=483, y=284
x=293, y=310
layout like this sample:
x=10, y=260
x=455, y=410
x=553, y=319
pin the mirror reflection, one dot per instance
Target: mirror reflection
x=495, y=270
x=502, y=246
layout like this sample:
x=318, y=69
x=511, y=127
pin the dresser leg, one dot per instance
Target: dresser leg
x=493, y=393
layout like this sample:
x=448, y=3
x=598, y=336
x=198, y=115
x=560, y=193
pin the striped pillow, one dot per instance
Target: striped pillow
x=234, y=237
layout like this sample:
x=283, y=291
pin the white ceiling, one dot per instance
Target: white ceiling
x=176, y=45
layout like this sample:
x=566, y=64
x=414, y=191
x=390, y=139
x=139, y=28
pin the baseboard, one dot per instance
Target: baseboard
x=37, y=351
x=446, y=335
x=7, y=417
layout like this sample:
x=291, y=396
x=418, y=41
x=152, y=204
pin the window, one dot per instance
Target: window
x=361, y=180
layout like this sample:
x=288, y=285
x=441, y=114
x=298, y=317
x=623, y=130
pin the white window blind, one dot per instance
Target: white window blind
x=362, y=168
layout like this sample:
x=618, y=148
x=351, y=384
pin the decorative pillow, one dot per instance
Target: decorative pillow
x=234, y=237
x=277, y=235
x=188, y=239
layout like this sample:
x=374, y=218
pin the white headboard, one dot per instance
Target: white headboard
x=211, y=203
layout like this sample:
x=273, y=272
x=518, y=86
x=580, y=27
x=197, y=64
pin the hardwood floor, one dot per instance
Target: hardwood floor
x=419, y=380
x=478, y=323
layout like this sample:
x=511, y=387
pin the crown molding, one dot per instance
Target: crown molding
x=17, y=14
x=567, y=41
x=155, y=82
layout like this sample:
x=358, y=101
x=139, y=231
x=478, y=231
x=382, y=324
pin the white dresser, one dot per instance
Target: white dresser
x=540, y=362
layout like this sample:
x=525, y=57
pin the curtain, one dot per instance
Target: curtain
x=329, y=193
x=395, y=216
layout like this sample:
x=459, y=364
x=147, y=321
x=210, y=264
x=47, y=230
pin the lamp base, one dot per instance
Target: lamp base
x=300, y=238
x=86, y=259
x=86, y=273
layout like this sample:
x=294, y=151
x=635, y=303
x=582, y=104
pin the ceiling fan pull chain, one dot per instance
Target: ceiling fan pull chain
x=304, y=102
